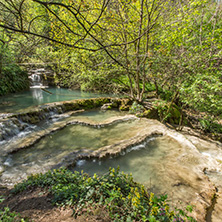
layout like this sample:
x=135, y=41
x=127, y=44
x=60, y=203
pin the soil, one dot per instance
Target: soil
x=36, y=206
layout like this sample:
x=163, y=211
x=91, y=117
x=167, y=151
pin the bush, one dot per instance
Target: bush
x=13, y=79
x=7, y=216
x=115, y=192
x=209, y=124
x=136, y=108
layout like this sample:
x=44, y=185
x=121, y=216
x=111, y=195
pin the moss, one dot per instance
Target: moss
x=25, y=118
x=100, y=101
x=86, y=103
x=116, y=102
x=126, y=102
x=151, y=114
x=124, y=107
x=34, y=119
x=69, y=106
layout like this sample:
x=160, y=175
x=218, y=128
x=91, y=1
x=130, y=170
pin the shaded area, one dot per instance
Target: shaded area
x=36, y=204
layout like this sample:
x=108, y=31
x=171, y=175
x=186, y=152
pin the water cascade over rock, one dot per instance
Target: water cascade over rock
x=37, y=79
x=186, y=168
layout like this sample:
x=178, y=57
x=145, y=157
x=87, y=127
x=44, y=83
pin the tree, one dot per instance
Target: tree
x=122, y=29
x=168, y=43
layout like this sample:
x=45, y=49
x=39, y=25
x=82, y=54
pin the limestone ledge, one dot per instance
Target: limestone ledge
x=12, y=124
x=183, y=177
x=34, y=137
x=35, y=115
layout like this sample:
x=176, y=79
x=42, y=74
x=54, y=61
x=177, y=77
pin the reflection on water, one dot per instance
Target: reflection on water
x=35, y=96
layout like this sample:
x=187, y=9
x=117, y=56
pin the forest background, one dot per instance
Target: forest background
x=131, y=47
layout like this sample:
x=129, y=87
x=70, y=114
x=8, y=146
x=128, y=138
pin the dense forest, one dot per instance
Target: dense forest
x=128, y=46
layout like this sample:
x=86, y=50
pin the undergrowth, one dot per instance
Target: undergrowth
x=115, y=192
x=7, y=216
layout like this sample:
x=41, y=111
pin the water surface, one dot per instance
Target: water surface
x=17, y=101
x=146, y=162
x=50, y=150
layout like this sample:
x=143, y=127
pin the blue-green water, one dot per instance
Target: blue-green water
x=51, y=150
x=33, y=97
x=146, y=162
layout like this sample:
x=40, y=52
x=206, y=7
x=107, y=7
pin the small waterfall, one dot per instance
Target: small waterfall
x=36, y=78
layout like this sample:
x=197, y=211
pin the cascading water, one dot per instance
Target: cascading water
x=170, y=163
x=36, y=78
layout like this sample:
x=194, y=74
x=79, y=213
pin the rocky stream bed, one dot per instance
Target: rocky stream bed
x=180, y=164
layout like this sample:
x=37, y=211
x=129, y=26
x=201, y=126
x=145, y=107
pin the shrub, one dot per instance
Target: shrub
x=116, y=192
x=13, y=79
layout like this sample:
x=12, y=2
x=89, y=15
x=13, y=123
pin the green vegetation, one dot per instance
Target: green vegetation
x=7, y=216
x=13, y=79
x=136, y=108
x=115, y=193
x=124, y=45
x=130, y=47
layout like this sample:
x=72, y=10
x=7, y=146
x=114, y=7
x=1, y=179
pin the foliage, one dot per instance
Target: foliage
x=162, y=108
x=124, y=199
x=124, y=46
x=7, y=216
x=136, y=108
x=13, y=79
x=204, y=94
x=209, y=124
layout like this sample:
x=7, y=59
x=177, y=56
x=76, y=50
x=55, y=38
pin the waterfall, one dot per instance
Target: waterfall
x=36, y=78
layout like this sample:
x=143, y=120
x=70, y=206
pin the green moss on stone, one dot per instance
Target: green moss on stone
x=124, y=107
x=151, y=114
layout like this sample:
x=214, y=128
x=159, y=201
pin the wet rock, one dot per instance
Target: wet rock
x=1, y=170
x=106, y=106
x=216, y=214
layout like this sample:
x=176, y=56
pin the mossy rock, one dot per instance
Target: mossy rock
x=151, y=114
x=86, y=103
x=116, y=102
x=106, y=106
x=69, y=106
x=124, y=107
x=100, y=101
x=126, y=102
x=34, y=119
x=25, y=118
